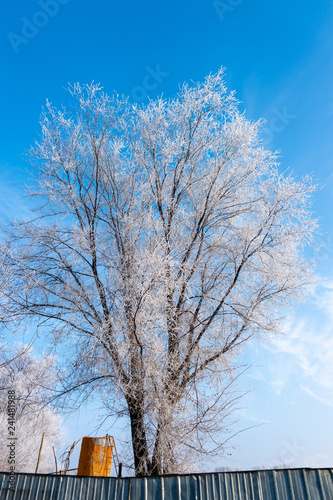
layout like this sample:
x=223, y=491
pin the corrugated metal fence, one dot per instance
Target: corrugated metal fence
x=287, y=484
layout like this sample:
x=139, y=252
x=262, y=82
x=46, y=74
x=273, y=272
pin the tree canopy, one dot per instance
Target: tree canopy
x=164, y=238
x=25, y=382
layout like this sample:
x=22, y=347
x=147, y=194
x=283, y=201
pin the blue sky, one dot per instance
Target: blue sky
x=278, y=58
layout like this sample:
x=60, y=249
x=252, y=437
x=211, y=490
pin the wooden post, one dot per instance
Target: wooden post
x=55, y=460
x=120, y=469
x=40, y=452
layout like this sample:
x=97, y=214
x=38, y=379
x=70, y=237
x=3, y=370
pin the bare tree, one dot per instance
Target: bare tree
x=164, y=239
x=25, y=384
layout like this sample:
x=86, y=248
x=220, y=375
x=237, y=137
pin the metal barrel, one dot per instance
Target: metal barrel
x=95, y=456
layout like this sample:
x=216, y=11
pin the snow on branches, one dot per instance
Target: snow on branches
x=25, y=385
x=164, y=239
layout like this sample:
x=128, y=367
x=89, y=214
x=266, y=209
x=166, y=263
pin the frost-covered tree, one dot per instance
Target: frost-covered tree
x=26, y=380
x=164, y=238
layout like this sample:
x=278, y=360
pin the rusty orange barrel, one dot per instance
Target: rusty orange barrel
x=95, y=456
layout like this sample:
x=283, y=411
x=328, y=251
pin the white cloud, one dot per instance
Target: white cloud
x=307, y=349
x=327, y=402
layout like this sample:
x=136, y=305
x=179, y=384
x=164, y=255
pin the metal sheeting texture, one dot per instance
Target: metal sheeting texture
x=293, y=484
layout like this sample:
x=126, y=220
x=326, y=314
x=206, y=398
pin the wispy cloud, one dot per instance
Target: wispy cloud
x=327, y=402
x=307, y=347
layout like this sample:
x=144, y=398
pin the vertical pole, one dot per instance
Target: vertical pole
x=55, y=459
x=120, y=469
x=40, y=452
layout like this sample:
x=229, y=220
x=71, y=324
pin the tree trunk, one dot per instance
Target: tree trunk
x=156, y=463
x=139, y=442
